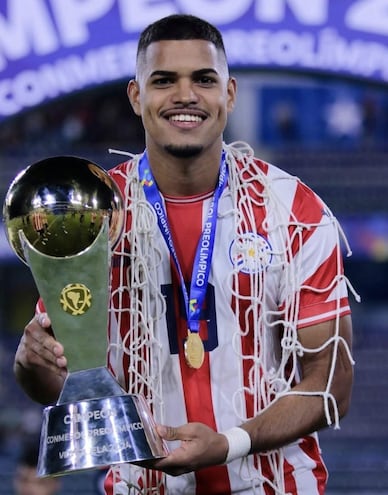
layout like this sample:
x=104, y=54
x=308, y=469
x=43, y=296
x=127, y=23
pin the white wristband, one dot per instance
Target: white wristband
x=239, y=443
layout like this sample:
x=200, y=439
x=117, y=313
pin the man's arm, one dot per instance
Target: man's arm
x=285, y=420
x=40, y=365
x=293, y=416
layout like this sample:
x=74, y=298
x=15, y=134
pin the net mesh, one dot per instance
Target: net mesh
x=137, y=305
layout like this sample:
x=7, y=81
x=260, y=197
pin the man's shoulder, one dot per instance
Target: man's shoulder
x=121, y=167
x=274, y=171
x=122, y=171
x=266, y=171
x=280, y=185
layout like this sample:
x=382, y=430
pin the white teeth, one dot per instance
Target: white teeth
x=185, y=118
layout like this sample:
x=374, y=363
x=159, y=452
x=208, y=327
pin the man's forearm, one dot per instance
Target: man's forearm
x=285, y=421
x=40, y=384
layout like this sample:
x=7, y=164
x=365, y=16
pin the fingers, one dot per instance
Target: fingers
x=186, y=432
x=199, y=447
x=38, y=346
x=50, y=342
x=43, y=320
x=168, y=433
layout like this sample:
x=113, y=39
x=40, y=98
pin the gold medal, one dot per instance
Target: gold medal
x=194, y=351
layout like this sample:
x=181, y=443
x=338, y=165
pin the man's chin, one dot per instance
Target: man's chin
x=187, y=151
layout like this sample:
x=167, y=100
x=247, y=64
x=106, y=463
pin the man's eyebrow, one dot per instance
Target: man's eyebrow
x=164, y=73
x=170, y=73
x=201, y=72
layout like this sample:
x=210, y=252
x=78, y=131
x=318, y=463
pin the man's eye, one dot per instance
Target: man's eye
x=161, y=81
x=206, y=80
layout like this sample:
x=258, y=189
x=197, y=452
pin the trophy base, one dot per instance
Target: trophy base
x=96, y=424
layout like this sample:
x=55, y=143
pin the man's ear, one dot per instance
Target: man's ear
x=133, y=93
x=232, y=91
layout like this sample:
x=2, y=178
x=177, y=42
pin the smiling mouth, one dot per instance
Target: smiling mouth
x=185, y=118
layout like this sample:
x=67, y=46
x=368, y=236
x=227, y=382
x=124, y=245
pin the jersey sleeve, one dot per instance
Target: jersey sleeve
x=40, y=308
x=315, y=278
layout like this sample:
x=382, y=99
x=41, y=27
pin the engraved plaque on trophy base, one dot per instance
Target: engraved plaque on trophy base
x=104, y=426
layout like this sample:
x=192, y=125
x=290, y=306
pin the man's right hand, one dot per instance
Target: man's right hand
x=40, y=364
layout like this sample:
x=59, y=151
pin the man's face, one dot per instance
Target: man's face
x=26, y=482
x=183, y=94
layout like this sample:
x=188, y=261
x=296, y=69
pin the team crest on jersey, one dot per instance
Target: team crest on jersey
x=250, y=253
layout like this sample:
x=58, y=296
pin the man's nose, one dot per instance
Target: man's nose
x=185, y=92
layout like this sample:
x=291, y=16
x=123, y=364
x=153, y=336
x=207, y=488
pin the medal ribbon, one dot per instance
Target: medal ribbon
x=203, y=256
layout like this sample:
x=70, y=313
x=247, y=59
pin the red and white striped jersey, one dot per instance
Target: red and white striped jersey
x=276, y=264
x=276, y=267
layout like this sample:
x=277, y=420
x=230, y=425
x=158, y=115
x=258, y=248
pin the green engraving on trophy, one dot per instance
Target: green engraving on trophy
x=82, y=331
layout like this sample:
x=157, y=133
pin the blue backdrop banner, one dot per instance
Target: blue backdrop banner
x=49, y=48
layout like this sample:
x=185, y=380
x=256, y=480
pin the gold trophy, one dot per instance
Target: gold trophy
x=63, y=216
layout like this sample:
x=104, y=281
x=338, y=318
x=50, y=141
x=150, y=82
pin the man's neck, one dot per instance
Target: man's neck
x=185, y=176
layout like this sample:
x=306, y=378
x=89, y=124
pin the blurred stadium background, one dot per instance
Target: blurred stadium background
x=326, y=122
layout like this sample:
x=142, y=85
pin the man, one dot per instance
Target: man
x=229, y=307
x=25, y=480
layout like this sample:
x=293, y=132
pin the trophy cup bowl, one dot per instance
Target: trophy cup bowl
x=63, y=216
x=59, y=204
